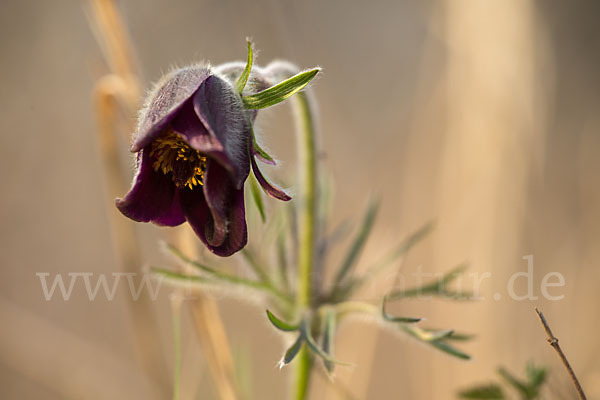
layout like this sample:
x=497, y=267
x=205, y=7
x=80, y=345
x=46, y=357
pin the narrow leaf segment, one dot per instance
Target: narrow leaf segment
x=280, y=92
x=243, y=79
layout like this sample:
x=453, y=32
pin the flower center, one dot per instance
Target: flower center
x=172, y=155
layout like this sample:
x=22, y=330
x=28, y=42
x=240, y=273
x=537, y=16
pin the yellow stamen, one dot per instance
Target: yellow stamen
x=172, y=155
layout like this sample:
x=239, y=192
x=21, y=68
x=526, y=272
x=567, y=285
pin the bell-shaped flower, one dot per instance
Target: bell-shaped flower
x=195, y=148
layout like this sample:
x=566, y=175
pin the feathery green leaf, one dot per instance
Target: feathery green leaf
x=354, y=283
x=305, y=329
x=359, y=242
x=437, y=339
x=436, y=287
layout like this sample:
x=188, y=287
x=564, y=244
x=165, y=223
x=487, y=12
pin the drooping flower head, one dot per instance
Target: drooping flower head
x=195, y=148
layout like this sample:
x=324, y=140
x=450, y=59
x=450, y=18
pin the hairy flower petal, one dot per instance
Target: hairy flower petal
x=168, y=97
x=222, y=114
x=153, y=196
x=199, y=217
x=197, y=213
x=217, y=192
x=238, y=232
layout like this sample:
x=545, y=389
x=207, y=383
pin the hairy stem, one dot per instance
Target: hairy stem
x=307, y=210
x=307, y=161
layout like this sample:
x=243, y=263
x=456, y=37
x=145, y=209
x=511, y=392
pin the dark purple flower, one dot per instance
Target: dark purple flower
x=194, y=153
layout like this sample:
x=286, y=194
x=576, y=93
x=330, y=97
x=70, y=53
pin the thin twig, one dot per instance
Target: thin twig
x=553, y=340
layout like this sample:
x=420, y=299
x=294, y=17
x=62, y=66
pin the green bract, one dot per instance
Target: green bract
x=280, y=92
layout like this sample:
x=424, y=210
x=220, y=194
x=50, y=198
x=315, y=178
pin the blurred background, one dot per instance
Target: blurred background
x=482, y=115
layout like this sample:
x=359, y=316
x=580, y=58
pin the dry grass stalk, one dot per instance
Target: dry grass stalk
x=117, y=89
x=123, y=234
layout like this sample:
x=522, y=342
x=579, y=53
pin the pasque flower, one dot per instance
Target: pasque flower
x=195, y=148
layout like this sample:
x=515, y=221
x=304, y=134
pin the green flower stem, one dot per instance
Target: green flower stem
x=307, y=161
x=303, y=368
x=308, y=199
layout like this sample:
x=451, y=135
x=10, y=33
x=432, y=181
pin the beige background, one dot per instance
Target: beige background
x=480, y=114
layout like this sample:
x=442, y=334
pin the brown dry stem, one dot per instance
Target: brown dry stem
x=553, y=341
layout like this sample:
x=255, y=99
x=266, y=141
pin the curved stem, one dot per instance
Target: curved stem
x=307, y=161
x=359, y=307
x=308, y=199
